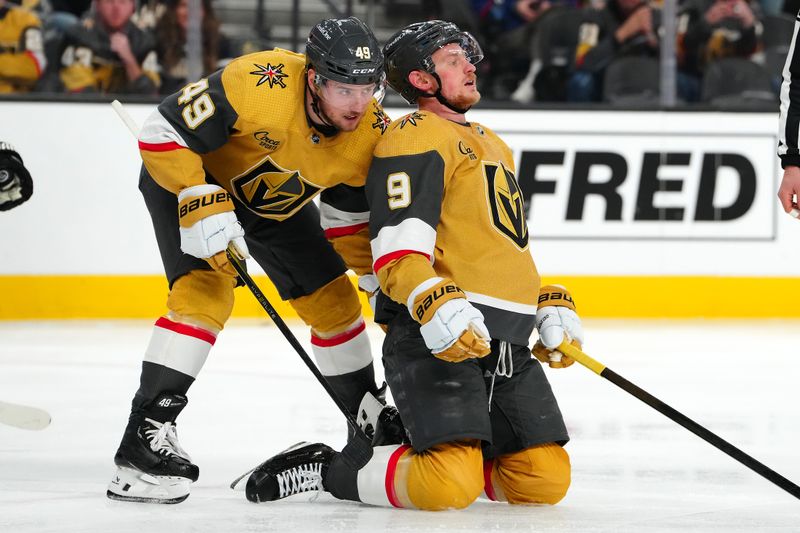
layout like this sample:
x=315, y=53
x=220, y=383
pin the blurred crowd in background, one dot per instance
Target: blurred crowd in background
x=583, y=51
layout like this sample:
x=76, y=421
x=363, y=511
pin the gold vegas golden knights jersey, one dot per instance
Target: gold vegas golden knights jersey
x=245, y=128
x=21, y=49
x=444, y=201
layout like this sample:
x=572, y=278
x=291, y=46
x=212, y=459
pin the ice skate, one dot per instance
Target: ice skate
x=300, y=468
x=152, y=467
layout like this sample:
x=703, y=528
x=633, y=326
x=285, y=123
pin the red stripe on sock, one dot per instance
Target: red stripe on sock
x=341, y=338
x=186, y=329
x=391, y=468
x=487, y=480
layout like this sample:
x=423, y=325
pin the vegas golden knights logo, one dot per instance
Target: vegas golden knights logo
x=273, y=192
x=505, y=203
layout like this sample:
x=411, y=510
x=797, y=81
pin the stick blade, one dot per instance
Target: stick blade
x=24, y=416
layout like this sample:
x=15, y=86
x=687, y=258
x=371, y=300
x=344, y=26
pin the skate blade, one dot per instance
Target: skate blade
x=142, y=499
x=240, y=482
x=132, y=485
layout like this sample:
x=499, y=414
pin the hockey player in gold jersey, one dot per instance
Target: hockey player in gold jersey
x=22, y=59
x=236, y=159
x=461, y=297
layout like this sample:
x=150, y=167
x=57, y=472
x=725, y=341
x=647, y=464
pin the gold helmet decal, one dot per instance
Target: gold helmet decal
x=505, y=203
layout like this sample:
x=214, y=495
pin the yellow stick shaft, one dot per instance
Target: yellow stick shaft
x=576, y=353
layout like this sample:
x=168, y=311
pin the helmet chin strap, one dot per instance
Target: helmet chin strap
x=442, y=100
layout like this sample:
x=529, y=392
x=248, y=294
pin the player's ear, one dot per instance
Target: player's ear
x=421, y=80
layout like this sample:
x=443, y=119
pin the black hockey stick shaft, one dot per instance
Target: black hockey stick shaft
x=276, y=318
x=713, y=439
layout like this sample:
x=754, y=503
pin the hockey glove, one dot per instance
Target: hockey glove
x=16, y=184
x=451, y=327
x=208, y=224
x=555, y=319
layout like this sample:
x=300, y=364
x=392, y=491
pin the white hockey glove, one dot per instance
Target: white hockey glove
x=16, y=185
x=556, y=320
x=208, y=225
x=451, y=327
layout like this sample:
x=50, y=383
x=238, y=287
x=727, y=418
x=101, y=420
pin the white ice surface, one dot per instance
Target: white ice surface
x=633, y=469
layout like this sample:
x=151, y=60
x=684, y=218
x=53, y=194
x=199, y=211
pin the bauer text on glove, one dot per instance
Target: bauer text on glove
x=208, y=225
x=452, y=328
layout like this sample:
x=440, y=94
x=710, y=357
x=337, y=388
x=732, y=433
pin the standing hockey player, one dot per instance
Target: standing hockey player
x=235, y=159
x=448, y=233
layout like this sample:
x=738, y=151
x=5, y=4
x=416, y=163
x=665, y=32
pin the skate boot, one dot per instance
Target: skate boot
x=300, y=468
x=151, y=465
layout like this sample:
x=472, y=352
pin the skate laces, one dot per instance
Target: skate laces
x=163, y=438
x=300, y=479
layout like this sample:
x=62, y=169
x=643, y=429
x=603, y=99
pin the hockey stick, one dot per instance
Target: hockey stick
x=273, y=314
x=23, y=416
x=711, y=438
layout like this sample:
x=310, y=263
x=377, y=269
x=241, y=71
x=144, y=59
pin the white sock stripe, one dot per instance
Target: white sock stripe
x=184, y=353
x=349, y=356
x=372, y=478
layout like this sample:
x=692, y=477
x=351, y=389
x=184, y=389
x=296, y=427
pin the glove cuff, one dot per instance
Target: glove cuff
x=209, y=202
x=555, y=295
x=428, y=301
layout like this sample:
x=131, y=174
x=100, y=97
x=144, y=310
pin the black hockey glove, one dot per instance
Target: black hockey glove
x=16, y=185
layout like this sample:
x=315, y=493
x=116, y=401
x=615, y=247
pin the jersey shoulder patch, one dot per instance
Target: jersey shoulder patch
x=267, y=86
x=414, y=133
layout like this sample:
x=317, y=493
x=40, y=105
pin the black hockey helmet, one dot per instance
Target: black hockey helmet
x=345, y=50
x=412, y=47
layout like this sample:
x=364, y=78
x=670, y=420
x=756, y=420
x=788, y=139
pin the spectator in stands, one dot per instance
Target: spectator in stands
x=65, y=14
x=109, y=54
x=21, y=49
x=506, y=29
x=715, y=29
x=620, y=28
x=171, y=40
x=148, y=14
